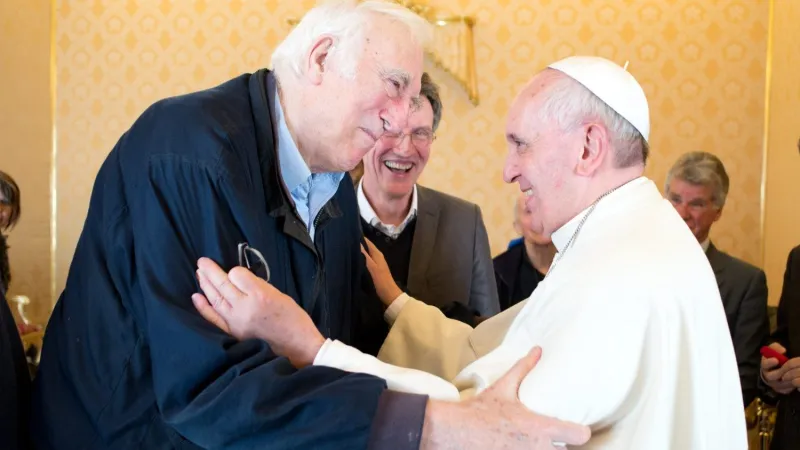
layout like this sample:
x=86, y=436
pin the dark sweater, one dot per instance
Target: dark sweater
x=397, y=252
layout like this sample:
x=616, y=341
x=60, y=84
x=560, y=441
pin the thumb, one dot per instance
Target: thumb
x=509, y=384
x=777, y=347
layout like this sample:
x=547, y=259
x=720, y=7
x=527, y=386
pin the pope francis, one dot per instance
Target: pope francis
x=629, y=319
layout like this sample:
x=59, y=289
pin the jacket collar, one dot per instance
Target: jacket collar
x=263, y=86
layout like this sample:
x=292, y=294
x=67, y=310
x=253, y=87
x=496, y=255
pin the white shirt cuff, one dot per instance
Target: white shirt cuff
x=343, y=357
x=395, y=308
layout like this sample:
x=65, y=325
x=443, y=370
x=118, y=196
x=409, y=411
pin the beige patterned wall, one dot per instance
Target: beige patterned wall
x=26, y=143
x=701, y=63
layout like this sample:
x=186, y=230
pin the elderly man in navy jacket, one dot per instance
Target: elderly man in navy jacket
x=250, y=168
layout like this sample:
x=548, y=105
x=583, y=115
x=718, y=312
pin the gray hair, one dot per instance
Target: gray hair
x=430, y=91
x=344, y=21
x=701, y=169
x=570, y=105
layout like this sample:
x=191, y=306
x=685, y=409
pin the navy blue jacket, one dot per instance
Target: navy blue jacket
x=15, y=381
x=128, y=362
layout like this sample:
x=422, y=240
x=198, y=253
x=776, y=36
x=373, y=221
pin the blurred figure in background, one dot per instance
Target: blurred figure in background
x=10, y=208
x=523, y=266
x=697, y=186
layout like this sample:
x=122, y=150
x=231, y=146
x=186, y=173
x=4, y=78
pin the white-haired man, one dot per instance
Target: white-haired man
x=247, y=173
x=642, y=360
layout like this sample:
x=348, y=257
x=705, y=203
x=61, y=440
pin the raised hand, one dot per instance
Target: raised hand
x=497, y=419
x=784, y=379
x=246, y=306
x=382, y=277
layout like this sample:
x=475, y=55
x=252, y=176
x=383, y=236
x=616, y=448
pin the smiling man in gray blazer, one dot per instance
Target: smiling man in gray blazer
x=435, y=244
x=697, y=185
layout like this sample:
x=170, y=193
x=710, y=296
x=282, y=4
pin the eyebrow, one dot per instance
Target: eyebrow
x=428, y=129
x=398, y=75
x=514, y=139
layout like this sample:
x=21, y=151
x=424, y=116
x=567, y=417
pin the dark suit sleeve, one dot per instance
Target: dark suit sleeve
x=789, y=294
x=483, y=294
x=503, y=296
x=213, y=390
x=751, y=332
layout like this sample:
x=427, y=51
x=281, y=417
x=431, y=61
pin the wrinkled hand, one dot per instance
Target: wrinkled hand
x=381, y=275
x=496, y=419
x=245, y=306
x=784, y=379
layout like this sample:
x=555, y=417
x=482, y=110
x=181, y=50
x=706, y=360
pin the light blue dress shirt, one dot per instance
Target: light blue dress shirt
x=310, y=192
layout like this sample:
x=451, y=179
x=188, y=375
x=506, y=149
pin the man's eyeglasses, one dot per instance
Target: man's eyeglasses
x=420, y=138
x=246, y=252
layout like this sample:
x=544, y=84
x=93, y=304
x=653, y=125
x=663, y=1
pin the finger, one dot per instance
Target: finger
x=793, y=363
x=768, y=363
x=370, y=245
x=207, y=311
x=513, y=378
x=245, y=281
x=567, y=432
x=370, y=261
x=791, y=375
x=219, y=279
x=774, y=375
x=777, y=347
x=213, y=296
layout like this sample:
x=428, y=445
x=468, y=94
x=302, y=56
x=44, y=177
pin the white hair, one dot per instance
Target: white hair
x=570, y=105
x=344, y=21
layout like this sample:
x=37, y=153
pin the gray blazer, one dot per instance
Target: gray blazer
x=743, y=289
x=450, y=256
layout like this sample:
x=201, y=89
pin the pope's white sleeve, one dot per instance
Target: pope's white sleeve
x=343, y=357
x=589, y=369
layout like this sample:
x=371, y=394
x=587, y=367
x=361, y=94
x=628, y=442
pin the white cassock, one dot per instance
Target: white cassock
x=634, y=337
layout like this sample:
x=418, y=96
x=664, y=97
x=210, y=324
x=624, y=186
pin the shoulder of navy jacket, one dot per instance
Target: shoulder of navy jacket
x=506, y=264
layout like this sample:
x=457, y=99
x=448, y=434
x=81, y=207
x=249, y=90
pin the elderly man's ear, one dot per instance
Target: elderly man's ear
x=317, y=57
x=596, y=148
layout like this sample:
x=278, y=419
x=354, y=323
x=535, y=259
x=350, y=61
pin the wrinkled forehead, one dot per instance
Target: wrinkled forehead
x=390, y=46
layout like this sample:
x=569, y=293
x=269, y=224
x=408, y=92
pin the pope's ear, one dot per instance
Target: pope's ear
x=596, y=148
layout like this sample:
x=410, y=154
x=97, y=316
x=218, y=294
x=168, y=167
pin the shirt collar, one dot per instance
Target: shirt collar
x=369, y=215
x=705, y=244
x=294, y=169
x=562, y=236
